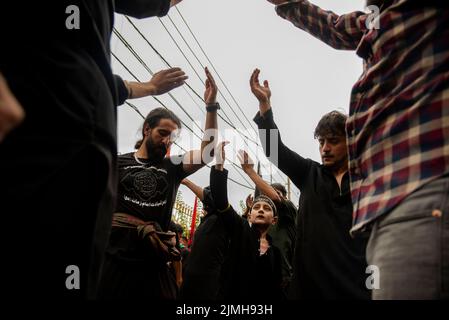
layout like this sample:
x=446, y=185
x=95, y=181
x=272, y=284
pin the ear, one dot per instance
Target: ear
x=275, y=220
x=146, y=129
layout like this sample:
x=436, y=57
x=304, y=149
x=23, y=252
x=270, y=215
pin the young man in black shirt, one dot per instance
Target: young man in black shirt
x=328, y=263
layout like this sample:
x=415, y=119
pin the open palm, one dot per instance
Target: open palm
x=262, y=93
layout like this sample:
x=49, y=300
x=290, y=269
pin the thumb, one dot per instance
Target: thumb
x=265, y=84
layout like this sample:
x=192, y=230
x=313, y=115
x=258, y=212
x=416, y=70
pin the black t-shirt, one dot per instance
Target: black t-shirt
x=147, y=190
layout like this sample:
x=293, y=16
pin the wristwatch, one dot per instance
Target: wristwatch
x=211, y=107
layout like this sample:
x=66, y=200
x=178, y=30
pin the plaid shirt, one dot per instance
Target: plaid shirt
x=398, y=127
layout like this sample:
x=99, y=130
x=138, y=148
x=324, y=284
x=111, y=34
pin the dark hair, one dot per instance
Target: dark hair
x=153, y=118
x=280, y=187
x=332, y=123
x=264, y=198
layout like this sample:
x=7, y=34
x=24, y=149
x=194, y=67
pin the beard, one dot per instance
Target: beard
x=155, y=152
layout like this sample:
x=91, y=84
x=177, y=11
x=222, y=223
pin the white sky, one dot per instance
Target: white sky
x=307, y=78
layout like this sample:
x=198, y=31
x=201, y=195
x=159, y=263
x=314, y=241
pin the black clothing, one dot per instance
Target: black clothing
x=57, y=168
x=328, y=263
x=203, y=268
x=283, y=234
x=241, y=281
x=146, y=191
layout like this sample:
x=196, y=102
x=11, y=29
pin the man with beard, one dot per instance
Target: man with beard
x=137, y=256
x=398, y=136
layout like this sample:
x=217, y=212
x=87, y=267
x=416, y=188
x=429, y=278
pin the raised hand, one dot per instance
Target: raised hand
x=246, y=162
x=262, y=93
x=210, y=94
x=11, y=112
x=166, y=80
x=220, y=156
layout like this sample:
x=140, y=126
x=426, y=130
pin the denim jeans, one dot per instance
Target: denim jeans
x=410, y=246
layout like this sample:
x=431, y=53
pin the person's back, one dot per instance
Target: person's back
x=283, y=234
x=203, y=270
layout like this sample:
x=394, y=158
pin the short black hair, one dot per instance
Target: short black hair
x=280, y=187
x=332, y=123
x=154, y=117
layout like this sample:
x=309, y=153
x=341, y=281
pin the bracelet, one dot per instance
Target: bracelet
x=212, y=107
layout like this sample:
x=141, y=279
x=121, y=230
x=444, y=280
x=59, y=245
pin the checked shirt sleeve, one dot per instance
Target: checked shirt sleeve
x=342, y=32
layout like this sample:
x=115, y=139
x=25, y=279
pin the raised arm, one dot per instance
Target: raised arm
x=197, y=159
x=161, y=82
x=248, y=167
x=338, y=31
x=197, y=190
x=288, y=161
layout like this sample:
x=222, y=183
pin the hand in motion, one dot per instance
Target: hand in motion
x=220, y=156
x=11, y=112
x=262, y=93
x=245, y=160
x=210, y=94
x=166, y=80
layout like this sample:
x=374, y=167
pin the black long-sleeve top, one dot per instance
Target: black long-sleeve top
x=328, y=263
x=248, y=275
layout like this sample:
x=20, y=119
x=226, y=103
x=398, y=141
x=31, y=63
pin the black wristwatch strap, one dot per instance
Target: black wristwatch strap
x=212, y=107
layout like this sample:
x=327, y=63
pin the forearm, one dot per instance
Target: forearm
x=197, y=190
x=139, y=90
x=219, y=188
x=210, y=137
x=262, y=185
x=288, y=161
x=338, y=31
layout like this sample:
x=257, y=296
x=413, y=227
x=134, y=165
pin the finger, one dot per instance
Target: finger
x=179, y=79
x=253, y=78
x=175, y=74
x=265, y=84
x=210, y=77
x=171, y=70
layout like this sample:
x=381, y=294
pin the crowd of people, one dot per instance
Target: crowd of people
x=379, y=197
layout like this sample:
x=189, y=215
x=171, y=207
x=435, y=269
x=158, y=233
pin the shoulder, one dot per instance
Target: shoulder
x=125, y=158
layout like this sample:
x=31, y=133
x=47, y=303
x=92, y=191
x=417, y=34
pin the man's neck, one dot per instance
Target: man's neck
x=340, y=171
x=142, y=153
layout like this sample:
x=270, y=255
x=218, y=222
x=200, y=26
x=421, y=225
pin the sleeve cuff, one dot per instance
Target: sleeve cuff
x=122, y=91
x=165, y=6
x=259, y=119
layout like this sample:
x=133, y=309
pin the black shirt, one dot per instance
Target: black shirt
x=283, y=234
x=246, y=274
x=203, y=270
x=328, y=263
x=147, y=190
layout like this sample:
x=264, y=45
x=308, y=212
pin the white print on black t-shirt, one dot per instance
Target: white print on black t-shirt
x=146, y=187
x=145, y=204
